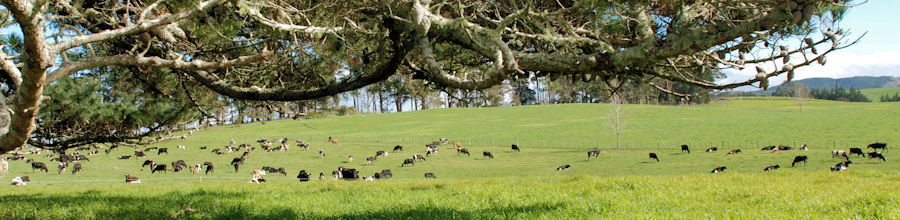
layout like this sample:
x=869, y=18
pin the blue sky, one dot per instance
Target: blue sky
x=877, y=54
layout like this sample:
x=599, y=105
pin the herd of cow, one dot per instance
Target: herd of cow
x=842, y=166
x=76, y=158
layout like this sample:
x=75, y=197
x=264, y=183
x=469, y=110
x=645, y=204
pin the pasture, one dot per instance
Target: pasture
x=875, y=94
x=621, y=182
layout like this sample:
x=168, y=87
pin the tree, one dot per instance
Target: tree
x=301, y=50
x=617, y=118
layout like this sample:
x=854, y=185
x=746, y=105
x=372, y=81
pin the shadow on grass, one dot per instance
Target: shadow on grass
x=225, y=205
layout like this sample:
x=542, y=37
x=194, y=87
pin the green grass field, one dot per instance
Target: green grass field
x=621, y=183
x=876, y=93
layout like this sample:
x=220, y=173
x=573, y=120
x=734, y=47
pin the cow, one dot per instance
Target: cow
x=151, y=149
x=321, y=154
x=515, y=148
x=350, y=158
x=398, y=148
x=712, y=149
x=38, y=166
x=408, y=161
x=177, y=166
x=132, y=179
x=349, y=174
x=158, y=167
x=336, y=175
x=196, y=168
x=564, y=167
x=258, y=176
x=782, y=147
x=430, y=175
x=333, y=140
x=236, y=166
x=803, y=147
x=857, y=151
x=841, y=166
x=734, y=151
x=875, y=146
x=595, y=153
x=370, y=160
x=239, y=160
x=303, y=176
x=463, y=151
x=281, y=171
x=487, y=154
x=305, y=146
x=180, y=147
x=773, y=147
x=209, y=167
x=124, y=157
x=431, y=149
x=62, y=167
x=81, y=157
x=444, y=141
x=20, y=180
x=718, y=170
x=381, y=153
x=418, y=157
x=798, y=159
x=321, y=176
x=653, y=156
x=162, y=150
x=684, y=148
x=76, y=168
x=146, y=163
x=876, y=154
x=203, y=147
x=138, y=153
x=384, y=174
x=836, y=153
x=773, y=167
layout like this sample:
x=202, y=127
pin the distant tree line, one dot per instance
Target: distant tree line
x=888, y=98
x=839, y=94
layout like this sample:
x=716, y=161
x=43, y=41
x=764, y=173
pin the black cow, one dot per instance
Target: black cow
x=653, y=156
x=398, y=147
x=281, y=171
x=773, y=167
x=462, y=150
x=146, y=163
x=564, y=167
x=734, y=151
x=876, y=154
x=162, y=150
x=202, y=147
x=236, y=166
x=785, y=148
x=487, y=154
x=876, y=146
x=76, y=168
x=125, y=157
x=209, y=167
x=38, y=166
x=798, y=159
x=349, y=174
x=712, y=149
x=595, y=153
x=718, y=170
x=769, y=148
x=303, y=176
x=684, y=148
x=239, y=160
x=408, y=161
x=159, y=167
x=516, y=148
x=430, y=175
x=857, y=151
x=384, y=174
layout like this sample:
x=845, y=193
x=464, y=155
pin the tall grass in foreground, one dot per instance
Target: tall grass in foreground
x=782, y=194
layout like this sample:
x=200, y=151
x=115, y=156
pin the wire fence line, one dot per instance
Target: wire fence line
x=421, y=141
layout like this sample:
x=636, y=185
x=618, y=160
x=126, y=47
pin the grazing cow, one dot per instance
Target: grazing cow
x=564, y=167
x=196, y=168
x=305, y=146
x=281, y=171
x=4, y=166
x=177, y=166
x=381, y=153
x=418, y=157
x=432, y=149
x=684, y=148
x=125, y=157
x=321, y=154
x=158, y=167
x=515, y=148
x=487, y=154
x=38, y=166
x=712, y=149
x=408, y=161
x=773, y=167
x=76, y=168
x=303, y=176
x=82, y=157
x=333, y=140
x=239, y=160
x=209, y=167
x=384, y=174
x=773, y=147
x=875, y=146
x=718, y=170
x=857, y=151
x=734, y=151
x=132, y=179
x=653, y=156
x=798, y=159
x=398, y=147
x=841, y=166
x=20, y=180
x=370, y=160
x=146, y=163
x=162, y=150
x=321, y=176
x=62, y=167
x=430, y=175
x=876, y=154
x=595, y=153
x=462, y=150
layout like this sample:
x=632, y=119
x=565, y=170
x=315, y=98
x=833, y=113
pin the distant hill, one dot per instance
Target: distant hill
x=858, y=82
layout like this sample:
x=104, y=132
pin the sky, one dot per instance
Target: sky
x=877, y=53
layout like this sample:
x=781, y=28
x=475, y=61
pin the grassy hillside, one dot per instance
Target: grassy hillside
x=876, y=93
x=621, y=182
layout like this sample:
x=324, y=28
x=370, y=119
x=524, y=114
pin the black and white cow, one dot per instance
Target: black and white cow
x=209, y=167
x=162, y=150
x=719, y=170
x=398, y=148
x=712, y=149
x=594, y=153
x=370, y=160
x=798, y=159
x=20, y=180
x=737, y=151
x=773, y=167
x=408, y=161
x=841, y=166
x=158, y=167
x=876, y=154
x=462, y=151
x=430, y=175
x=564, y=167
x=876, y=146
